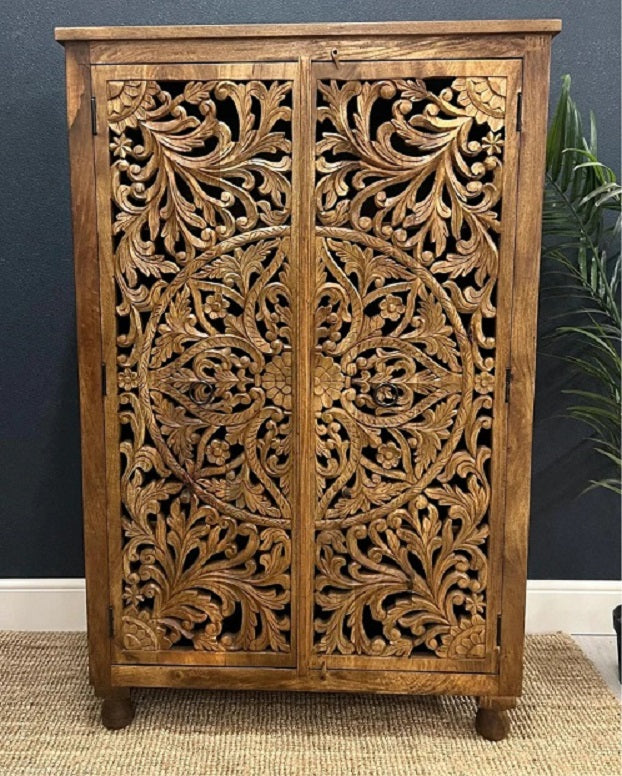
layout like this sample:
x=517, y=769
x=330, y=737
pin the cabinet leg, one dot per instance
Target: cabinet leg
x=117, y=709
x=491, y=721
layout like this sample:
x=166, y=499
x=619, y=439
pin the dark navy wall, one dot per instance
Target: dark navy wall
x=572, y=536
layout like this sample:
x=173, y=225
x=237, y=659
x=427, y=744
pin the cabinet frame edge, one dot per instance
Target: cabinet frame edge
x=525, y=289
x=103, y=675
x=88, y=321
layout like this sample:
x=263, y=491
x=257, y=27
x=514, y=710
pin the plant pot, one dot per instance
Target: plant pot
x=616, y=624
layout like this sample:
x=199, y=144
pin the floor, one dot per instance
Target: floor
x=567, y=724
x=602, y=651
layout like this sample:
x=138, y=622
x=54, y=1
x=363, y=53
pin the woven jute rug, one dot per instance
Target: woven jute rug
x=567, y=724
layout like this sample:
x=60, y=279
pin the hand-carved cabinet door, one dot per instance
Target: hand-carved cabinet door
x=194, y=168
x=415, y=178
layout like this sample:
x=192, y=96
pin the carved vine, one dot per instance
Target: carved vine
x=201, y=191
x=408, y=191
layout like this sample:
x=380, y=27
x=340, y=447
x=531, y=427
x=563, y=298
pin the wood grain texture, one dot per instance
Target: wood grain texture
x=391, y=29
x=391, y=682
x=536, y=66
x=420, y=47
x=314, y=276
x=85, y=251
x=306, y=312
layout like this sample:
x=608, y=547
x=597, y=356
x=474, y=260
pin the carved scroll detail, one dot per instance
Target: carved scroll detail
x=408, y=192
x=201, y=192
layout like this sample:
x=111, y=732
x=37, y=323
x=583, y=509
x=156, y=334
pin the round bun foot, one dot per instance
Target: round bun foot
x=117, y=713
x=492, y=724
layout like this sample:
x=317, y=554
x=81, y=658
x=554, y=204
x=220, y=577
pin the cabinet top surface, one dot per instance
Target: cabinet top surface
x=471, y=27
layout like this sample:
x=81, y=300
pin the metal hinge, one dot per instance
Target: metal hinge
x=498, y=630
x=93, y=115
x=508, y=383
x=104, y=381
x=519, y=111
x=110, y=621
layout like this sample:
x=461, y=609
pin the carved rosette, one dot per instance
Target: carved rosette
x=408, y=196
x=201, y=192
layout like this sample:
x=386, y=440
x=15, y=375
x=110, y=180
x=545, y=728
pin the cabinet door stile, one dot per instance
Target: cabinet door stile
x=194, y=191
x=503, y=355
x=112, y=516
x=304, y=211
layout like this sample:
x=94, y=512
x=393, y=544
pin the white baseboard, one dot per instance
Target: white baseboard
x=572, y=606
x=42, y=604
x=580, y=606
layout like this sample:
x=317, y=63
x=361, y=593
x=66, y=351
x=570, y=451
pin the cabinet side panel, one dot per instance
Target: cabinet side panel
x=89, y=357
x=523, y=348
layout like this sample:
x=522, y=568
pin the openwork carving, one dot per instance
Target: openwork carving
x=201, y=190
x=408, y=195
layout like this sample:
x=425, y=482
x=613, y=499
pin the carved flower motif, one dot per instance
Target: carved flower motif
x=328, y=383
x=217, y=452
x=121, y=145
x=474, y=603
x=483, y=98
x=127, y=379
x=492, y=143
x=388, y=455
x=277, y=380
x=140, y=631
x=391, y=307
x=132, y=595
x=128, y=101
x=484, y=382
x=215, y=306
x=465, y=639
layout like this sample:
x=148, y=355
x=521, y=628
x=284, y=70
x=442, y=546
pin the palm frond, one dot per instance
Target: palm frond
x=582, y=220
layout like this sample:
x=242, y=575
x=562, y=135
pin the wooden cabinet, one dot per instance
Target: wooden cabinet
x=307, y=266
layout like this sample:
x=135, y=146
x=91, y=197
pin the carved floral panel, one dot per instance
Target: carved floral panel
x=201, y=196
x=408, y=201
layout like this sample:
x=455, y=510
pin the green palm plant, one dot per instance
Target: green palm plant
x=581, y=232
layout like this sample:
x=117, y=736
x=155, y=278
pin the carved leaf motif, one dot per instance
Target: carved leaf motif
x=177, y=328
x=444, y=184
x=429, y=434
x=201, y=193
x=193, y=601
x=408, y=189
x=180, y=175
x=431, y=328
x=176, y=426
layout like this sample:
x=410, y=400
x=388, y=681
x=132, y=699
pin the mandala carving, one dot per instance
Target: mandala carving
x=201, y=193
x=408, y=201
x=408, y=196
